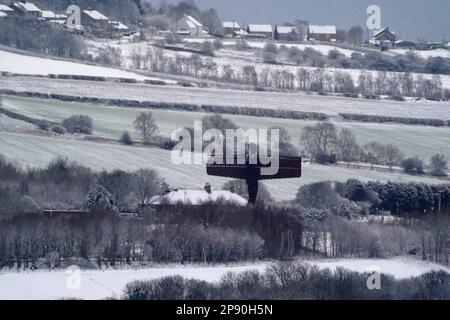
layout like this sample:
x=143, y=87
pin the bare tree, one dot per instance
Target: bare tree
x=347, y=146
x=147, y=185
x=392, y=155
x=146, y=126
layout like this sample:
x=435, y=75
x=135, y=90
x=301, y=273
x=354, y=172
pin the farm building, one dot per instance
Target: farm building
x=189, y=26
x=27, y=9
x=322, y=33
x=285, y=33
x=6, y=11
x=263, y=31
x=231, y=28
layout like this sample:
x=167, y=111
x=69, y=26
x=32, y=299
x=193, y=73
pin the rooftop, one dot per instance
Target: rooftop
x=94, y=14
x=231, y=24
x=27, y=6
x=260, y=28
x=5, y=8
x=285, y=30
x=197, y=197
x=193, y=21
x=322, y=29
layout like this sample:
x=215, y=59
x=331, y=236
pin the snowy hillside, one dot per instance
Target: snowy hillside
x=23, y=64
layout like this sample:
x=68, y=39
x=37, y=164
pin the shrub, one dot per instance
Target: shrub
x=78, y=124
x=126, y=139
x=43, y=124
x=438, y=165
x=58, y=129
x=413, y=166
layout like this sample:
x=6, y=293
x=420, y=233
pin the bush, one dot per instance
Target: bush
x=78, y=124
x=413, y=166
x=438, y=165
x=126, y=139
x=58, y=129
x=43, y=124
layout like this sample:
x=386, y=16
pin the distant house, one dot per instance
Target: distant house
x=197, y=197
x=95, y=22
x=5, y=11
x=384, y=37
x=231, y=28
x=51, y=16
x=322, y=33
x=27, y=9
x=189, y=26
x=285, y=33
x=405, y=44
x=263, y=31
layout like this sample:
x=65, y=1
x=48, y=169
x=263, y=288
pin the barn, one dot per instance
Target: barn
x=322, y=33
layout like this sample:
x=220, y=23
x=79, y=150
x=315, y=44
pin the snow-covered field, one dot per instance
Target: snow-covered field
x=95, y=284
x=24, y=64
x=36, y=151
x=330, y=105
x=110, y=122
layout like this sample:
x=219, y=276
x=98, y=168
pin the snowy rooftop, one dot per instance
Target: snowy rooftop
x=5, y=8
x=47, y=14
x=3, y=15
x=285, y=30
x=94, y=14
x=193, y=21
x=322, y=29
x=260, y=27
x=231, y=24
x=27, y=6
x=118, y=25
x=196, y=197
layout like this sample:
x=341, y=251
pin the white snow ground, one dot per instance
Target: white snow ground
x=23, y=64
x=94, y=284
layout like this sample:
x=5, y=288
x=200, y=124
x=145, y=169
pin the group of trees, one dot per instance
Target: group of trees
x=66, y=185
x=325, y=144
x=291, y=280
x=393, y=84
x=40, y=36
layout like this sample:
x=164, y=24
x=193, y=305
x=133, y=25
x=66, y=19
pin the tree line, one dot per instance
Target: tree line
x=292, y=281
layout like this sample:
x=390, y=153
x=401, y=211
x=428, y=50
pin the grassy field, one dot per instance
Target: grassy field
x=422, y=141
x=330, y=105
x=30, y=150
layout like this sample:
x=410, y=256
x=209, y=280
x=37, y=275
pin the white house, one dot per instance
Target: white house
x=189, y=26
x=27, y=9
x=322, y=33
x=197, y=197
x=260, y=31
